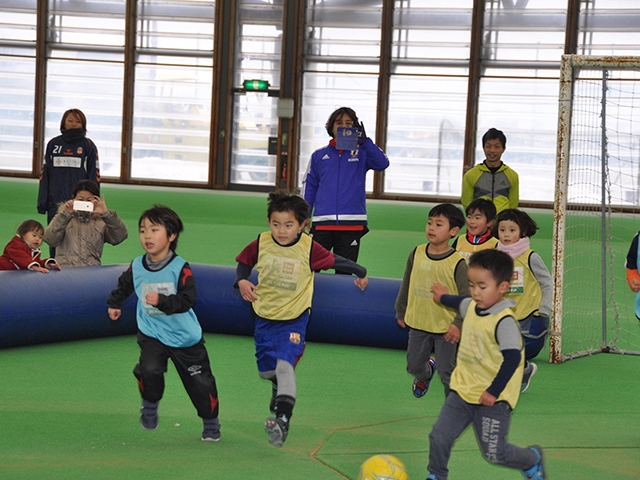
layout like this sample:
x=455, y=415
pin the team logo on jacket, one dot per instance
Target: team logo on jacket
x=79, y=151
x=354, y=156
x=294, y=337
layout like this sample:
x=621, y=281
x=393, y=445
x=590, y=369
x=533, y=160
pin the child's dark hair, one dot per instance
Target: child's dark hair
x=528, y=226
x=30, y=226
x=334, y=116
x=88, y=185
x=452, y=213
x=484, y=206
x=78, y=113
x=493, y=134
x=161, y=215
x=497, y=262
x=283, y=201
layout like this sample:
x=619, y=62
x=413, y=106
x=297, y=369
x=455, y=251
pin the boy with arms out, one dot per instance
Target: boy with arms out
x=481, y=214
x=492, y=179
x=432, y=327
x=167, y=325
x=485, y=384
x=285, y=259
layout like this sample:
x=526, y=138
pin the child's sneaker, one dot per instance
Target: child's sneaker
x=274, y=394
x=537, y=471
x=211, y=430
x=149, y=415
x=277, y=429
x=529, y=371
x=419, y=387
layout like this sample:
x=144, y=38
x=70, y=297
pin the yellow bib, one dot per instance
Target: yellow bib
x=524, y=289
x=466, y=249
x=285, y=279
x=423, y=313
x=479, y=359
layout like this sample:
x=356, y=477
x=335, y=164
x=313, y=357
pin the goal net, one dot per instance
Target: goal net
x=596, y=207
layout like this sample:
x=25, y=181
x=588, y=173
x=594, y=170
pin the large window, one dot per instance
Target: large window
x=172, y=105
x=259, y=47
x=424, y=71
x=341, y=67
x=17, y=83
x=523, y=43
x=85, y=70
x=428, y=97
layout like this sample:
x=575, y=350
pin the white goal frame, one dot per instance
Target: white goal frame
x=570, y=65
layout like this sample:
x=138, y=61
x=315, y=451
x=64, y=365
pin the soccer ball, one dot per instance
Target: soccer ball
x=383, y=467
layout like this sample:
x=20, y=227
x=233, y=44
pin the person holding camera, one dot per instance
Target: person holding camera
x=82, y=226
x=335, y=185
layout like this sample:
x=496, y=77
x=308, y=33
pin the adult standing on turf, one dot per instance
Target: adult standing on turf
x=492, y=179
x=335, y=187
x=69, y=158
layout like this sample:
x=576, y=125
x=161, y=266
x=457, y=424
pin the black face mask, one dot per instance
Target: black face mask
x=73, y=135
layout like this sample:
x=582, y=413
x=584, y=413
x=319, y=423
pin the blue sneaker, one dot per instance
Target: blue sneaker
x=431, y=477
x=526, y=378
x=537, y=471
x=419, y=387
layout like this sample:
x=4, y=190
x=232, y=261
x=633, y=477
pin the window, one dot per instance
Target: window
x=172, y=104
x=17, y=83
x=522, y=47
x=341, y=66
x=609, y=27
x=258, y=57
x=85, y=70
x=428, y=97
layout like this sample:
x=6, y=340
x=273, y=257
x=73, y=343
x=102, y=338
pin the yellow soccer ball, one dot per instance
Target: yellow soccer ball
x=383, y=467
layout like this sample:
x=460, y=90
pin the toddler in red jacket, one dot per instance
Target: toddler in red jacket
x=23, y=251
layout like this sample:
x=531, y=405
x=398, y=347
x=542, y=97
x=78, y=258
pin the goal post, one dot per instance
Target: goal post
x=595, y=207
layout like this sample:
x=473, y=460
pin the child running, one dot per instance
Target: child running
x=167, y=325
x=23, y=250
x=481, y=213
x=433, y=328
x=485, y=385
x=285, y=259
x=531, y=286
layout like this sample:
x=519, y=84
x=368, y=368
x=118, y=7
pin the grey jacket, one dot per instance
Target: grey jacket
x=79, y=244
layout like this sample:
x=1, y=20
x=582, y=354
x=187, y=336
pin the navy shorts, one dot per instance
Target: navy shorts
x=279, y=340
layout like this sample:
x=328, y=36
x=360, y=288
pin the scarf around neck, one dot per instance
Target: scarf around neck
x=73, y=135
x=515, y=249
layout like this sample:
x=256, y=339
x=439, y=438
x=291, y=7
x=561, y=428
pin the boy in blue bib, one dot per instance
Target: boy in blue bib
x=167, y=325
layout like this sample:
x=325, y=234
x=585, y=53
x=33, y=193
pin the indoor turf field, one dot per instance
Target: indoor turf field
x=70, y=410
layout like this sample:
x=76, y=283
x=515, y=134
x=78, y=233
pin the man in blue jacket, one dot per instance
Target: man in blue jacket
x=335, y=187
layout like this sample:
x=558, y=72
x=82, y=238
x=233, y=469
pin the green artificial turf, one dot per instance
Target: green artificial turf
x=70, y=410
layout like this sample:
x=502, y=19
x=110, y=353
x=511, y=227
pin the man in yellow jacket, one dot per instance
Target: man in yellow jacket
x=492, y=179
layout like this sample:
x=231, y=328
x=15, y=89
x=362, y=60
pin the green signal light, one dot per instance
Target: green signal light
x=255, y=85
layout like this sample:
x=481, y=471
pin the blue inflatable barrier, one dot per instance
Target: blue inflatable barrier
x=71, y=305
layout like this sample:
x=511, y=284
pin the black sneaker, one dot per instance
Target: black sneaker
x=277, y=429
x=149, y=415
x=211, y=430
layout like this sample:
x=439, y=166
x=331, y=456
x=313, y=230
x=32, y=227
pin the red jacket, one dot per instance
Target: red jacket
x=18, y=255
